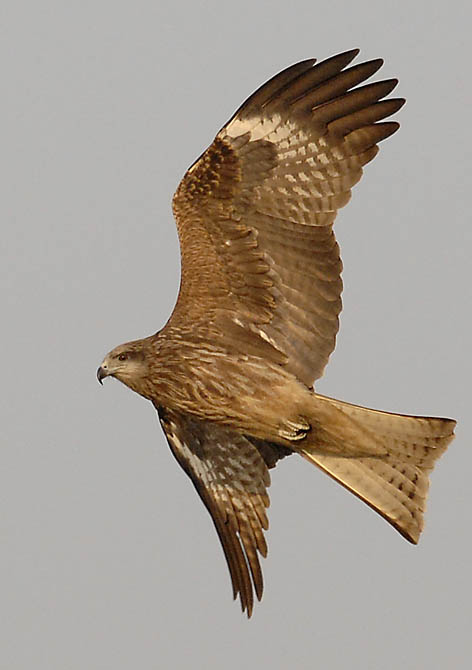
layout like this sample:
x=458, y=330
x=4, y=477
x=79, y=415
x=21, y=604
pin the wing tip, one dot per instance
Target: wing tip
x=347, y=55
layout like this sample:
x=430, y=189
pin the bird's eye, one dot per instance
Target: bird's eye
x=122, y=357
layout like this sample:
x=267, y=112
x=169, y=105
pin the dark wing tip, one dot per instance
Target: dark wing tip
x=272, y=88
x=344, y=55
x=388, y=128
x=369, y=67
x=399, y=102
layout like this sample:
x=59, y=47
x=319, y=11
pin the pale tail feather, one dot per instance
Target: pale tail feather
x=395, y=485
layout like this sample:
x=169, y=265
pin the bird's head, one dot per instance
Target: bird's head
x=127, y=363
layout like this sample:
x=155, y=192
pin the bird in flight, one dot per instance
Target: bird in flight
x=231, y=374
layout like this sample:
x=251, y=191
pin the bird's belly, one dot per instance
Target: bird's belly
x=246, y=393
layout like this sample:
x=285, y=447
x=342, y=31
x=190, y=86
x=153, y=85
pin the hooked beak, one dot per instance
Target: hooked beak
x=101, y=374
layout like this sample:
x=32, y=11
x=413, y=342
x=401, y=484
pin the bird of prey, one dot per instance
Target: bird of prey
x=231, y=374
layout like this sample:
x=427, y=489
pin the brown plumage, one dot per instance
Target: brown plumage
x=231, y=373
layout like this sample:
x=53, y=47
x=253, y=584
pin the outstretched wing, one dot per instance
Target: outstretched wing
x=255, y=212
x=231, y=478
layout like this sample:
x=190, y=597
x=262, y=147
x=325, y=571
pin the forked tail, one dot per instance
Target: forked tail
x=395, y=484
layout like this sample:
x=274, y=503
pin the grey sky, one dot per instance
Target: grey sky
x=108, y=559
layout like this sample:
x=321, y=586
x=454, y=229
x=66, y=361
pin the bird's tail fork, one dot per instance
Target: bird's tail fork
x=395, y=480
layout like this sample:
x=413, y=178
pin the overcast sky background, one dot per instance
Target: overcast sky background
x=108, y=559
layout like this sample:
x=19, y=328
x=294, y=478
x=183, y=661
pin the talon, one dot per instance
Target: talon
x=294, y=431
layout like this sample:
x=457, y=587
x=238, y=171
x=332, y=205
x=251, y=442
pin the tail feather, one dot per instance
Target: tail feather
x=394, y=485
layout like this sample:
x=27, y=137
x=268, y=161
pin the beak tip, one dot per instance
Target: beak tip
x=101, y=374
